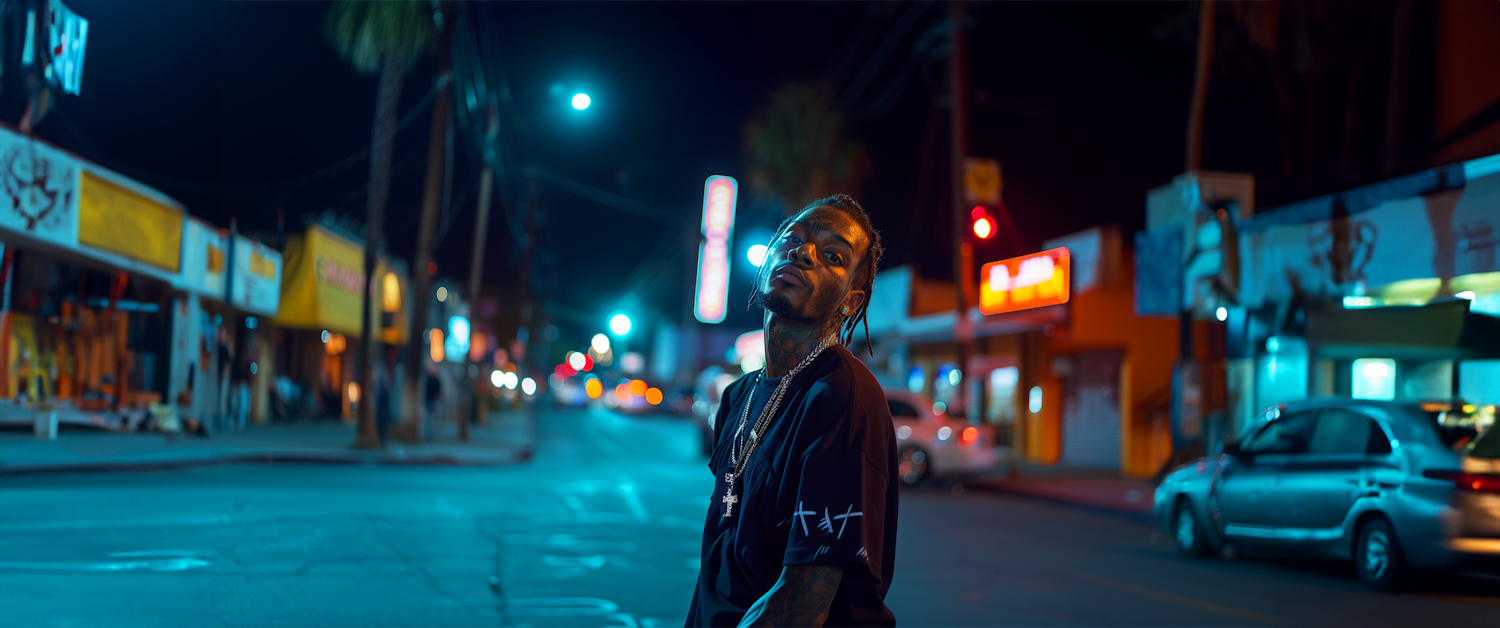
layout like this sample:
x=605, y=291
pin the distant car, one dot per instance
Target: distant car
x=930, y=445
x=1373, y=482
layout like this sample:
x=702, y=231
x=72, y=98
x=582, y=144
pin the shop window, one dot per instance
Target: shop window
x=1374, y=378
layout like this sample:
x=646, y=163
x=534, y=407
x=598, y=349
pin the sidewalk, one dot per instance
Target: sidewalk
x=505, y=440
x=1102, y=490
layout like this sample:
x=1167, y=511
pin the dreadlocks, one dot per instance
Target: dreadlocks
x=864, y=275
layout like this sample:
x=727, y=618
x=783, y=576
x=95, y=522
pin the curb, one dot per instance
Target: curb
x=1134, y=515
x=270, y=458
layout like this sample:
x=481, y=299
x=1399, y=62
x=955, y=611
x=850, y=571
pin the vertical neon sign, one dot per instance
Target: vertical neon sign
x=712, y=297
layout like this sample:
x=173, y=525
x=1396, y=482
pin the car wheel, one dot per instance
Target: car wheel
x=912, y=465
x=1377, y=556
x=1187, y=532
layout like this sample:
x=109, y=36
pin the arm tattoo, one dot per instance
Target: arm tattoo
x=801, y=597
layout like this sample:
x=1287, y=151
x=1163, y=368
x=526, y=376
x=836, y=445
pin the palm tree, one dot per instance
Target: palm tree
x=795, y=149
x=381, y=38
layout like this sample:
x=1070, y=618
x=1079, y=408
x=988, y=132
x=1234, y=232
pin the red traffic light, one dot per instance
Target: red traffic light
x=984, y=226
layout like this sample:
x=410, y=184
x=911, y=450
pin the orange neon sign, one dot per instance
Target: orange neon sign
x=1026, y=282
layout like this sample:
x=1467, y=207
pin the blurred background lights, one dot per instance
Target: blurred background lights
x=497, y=378
x=757, y=255
x=581, y=101
x=752, y=363
x=600, y=343
x=593, y=388
x=575, y=360
x=353, y=392
x=1467, y=294
x=619, y=324
x=653, y=396
x=954, y=377
x=325, y=336
x=528, y=386
x=510, y=380
x=633, y=362
x=442, y=293
x=1222, y=314
x=944, y=433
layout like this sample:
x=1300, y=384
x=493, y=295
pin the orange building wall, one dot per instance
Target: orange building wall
x=1105, y=318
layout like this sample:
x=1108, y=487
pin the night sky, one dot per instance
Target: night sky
x=1084, y=104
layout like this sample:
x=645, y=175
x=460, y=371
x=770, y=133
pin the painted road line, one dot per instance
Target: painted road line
x=169, y=564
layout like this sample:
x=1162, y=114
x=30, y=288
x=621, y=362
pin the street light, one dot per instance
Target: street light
x=619, y=324
x=757, y=255
x=581, y=101
x=601, y=342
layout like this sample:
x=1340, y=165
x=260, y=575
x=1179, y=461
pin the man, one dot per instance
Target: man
x=801, y=527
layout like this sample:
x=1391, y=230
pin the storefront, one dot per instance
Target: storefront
x=1058, y=361
x=223, y=348
x=1400, y=300
x=1389, y=291
x=91, y=260
x=318, y=325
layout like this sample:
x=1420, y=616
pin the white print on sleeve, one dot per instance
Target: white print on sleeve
x=801, y=516
x=822, y=549
x=826, y=525
x=863, y=554
x=847, y=514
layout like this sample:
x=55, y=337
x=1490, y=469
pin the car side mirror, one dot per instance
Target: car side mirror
x=1232, y=449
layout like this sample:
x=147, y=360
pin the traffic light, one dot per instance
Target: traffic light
x=984, y=226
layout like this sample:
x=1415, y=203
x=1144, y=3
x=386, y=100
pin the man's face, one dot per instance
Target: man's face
x=810, y=267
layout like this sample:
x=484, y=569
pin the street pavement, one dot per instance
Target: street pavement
x=600, y=528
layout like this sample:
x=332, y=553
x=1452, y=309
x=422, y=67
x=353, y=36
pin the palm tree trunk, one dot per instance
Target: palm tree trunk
x=432, y=197
x=381, y=143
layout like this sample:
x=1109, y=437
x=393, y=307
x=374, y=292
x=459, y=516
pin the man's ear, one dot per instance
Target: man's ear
x=855, y=299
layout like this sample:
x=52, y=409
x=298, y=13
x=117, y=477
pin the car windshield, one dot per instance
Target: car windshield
x=1487, y=445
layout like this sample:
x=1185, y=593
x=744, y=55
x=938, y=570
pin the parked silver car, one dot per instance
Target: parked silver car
x=931, y=445
x=1369, y=481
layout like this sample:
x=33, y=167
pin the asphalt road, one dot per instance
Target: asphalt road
x=601, y=529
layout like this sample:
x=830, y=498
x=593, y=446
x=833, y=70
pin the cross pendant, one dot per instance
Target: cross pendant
x=729, y=498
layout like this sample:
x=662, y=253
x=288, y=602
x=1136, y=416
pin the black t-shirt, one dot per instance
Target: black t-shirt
x=820, y=489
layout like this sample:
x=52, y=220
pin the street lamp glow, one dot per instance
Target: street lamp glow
x=619, y=324
x=757, y=255
x=581, y=101
x=600, y=343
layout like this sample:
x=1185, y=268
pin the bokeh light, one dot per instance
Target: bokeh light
x=757, y=255
x=653, y=396
x=582, y=101
x=593, y=388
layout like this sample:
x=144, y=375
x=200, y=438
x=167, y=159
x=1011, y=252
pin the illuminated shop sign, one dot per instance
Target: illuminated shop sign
x=712, y=296
x=1026, y=282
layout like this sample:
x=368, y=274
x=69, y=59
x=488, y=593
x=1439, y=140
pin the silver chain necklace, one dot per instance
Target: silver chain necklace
x=737, y=457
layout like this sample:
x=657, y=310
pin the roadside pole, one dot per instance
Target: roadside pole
x=958, y=127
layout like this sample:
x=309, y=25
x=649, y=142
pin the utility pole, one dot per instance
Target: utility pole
x=481, y=227
x=958, y=110
x=1200, y=85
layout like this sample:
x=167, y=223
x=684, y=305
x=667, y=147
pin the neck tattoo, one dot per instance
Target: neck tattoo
x=741, y=447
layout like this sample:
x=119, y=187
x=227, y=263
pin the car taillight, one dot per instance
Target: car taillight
x=1480, y=482
x=969, y=436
